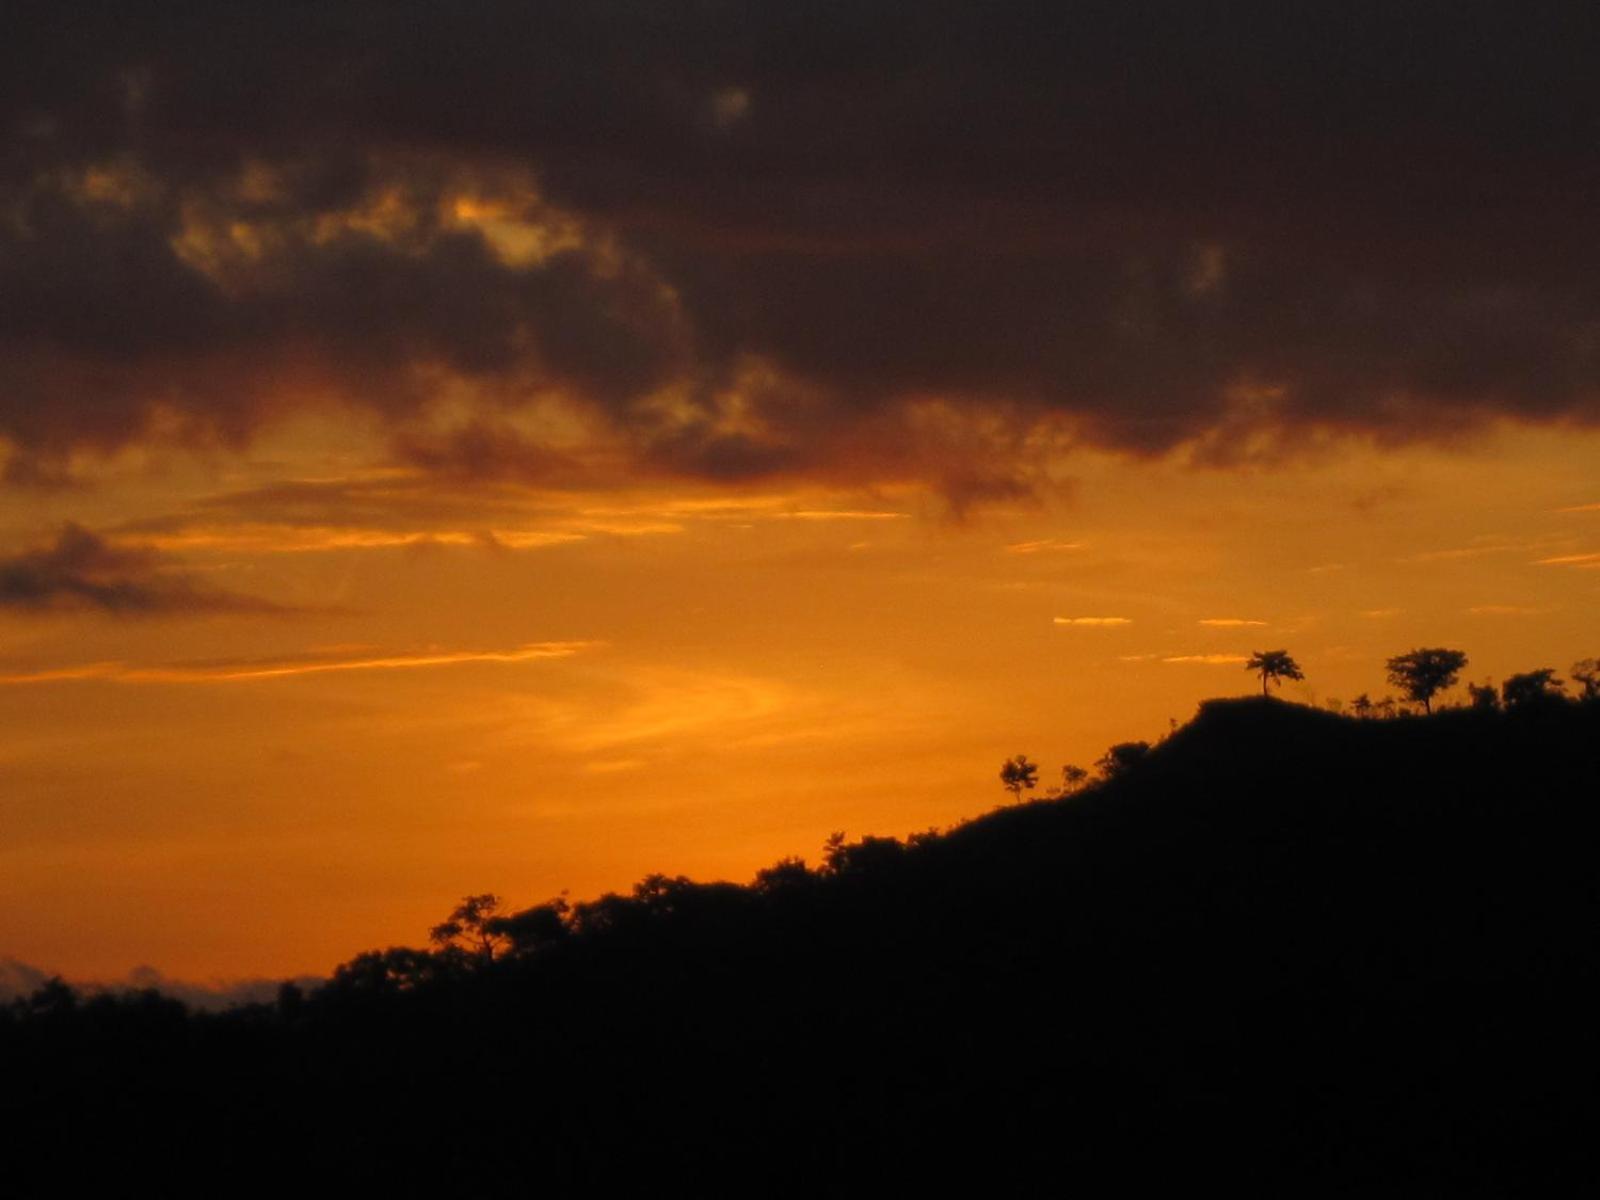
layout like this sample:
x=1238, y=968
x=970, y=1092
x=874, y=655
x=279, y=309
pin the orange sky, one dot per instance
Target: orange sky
x=522, y=447
x=473, y=687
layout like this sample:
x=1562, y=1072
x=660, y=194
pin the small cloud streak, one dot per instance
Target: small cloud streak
x=1094, y=622
x=1229, y=622
x=1587, y=562
x=278, y=668
x=1488, y=547
x=1209, y=660
x=838, y=514
x=1579, y=508
x=315, y=539
x=1505, y=610
x=1043, y=546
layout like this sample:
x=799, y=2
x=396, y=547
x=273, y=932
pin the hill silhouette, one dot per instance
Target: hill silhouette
x=1283, y=951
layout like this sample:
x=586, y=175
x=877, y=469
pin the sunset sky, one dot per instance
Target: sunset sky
x=488, y=446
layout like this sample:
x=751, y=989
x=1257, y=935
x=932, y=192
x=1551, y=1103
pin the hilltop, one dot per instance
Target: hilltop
x=1284, y=950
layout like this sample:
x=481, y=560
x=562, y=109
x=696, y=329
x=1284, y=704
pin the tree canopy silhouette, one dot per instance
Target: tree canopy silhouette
x=1122, y=757
x=1586, y=674
x=1423, y=674
x=1274, y=666
x=1019, y=773
x=1531, y=688
x=472, y=928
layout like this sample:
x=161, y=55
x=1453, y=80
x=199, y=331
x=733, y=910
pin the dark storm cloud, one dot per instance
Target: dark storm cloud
x=1165, y=223
x=81, y=570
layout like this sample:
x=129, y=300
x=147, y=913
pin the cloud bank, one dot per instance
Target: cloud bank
x=846, y=241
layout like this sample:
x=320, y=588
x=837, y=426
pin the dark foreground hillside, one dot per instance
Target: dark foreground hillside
x=1288, y=952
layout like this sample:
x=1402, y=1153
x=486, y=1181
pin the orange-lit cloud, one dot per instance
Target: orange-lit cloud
x=1094, y=622
x=1043, y=546
x=1228, y=622
x=280, y=668
x=624, y=243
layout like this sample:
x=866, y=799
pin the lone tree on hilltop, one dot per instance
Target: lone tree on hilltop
x=1018, y=773
x=1274, y=666
x=1423, y=674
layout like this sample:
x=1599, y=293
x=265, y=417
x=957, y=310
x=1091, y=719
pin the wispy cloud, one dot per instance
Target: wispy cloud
x=841, y=514
x=1210, y=660
x=316, y=539
x=244, y=670
x=1579, y=508
x=1379, y=614
x=1473, y=551
x=1589, y=561
x=1043, y=546
x=1505, y=610
x=1230, y=622
x=1094, y=622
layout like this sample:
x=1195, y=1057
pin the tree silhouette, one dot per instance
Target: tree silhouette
x=472, y=928
x=1586, y=673
x=1423, y=674
x=1531, y=688
x=1122, y=757
x=1018, y=773
x=1362, y=705
x=1484, y=697
x=1274, y=665
x=533, y=928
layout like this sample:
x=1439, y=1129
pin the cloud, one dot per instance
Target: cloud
x=1206, y=659
x=1043, y=546
x=285, y=666
x=1229, y=622
x=1094, y=622
x=84, y=571
x=1487, y=546
x=738, y=262
x=1587, y=561
x=1505, y=610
